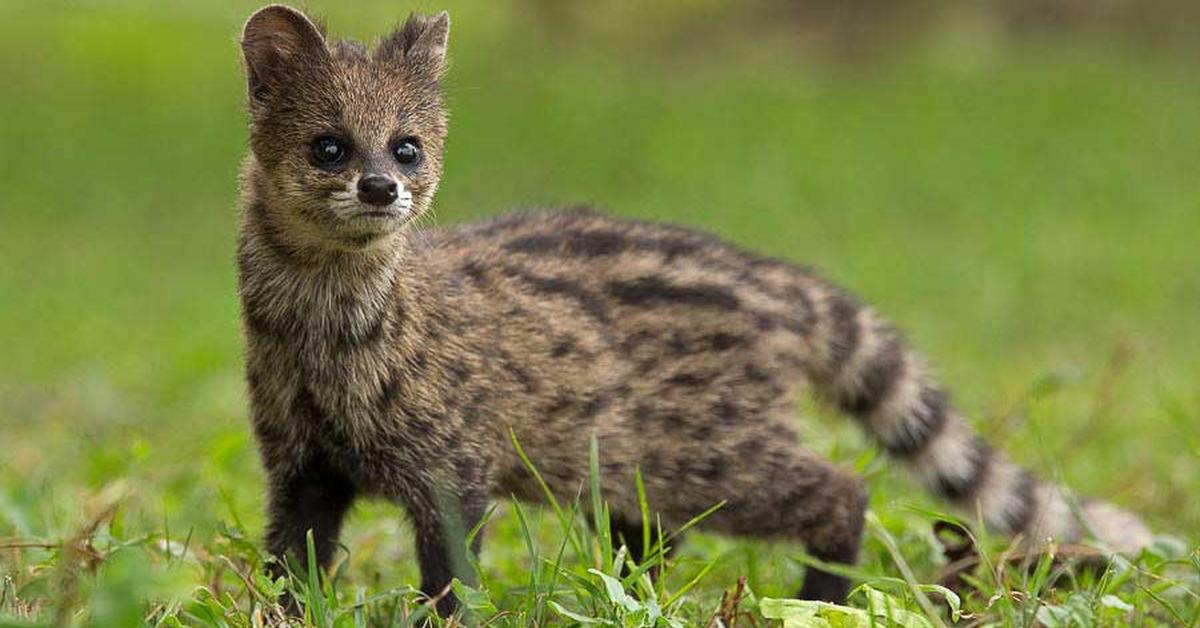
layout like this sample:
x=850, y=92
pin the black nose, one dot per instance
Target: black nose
x=377, y=189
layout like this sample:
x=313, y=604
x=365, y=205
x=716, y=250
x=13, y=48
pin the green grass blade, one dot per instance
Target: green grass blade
x=546, y=492
x=600, y=517
x=315, y=602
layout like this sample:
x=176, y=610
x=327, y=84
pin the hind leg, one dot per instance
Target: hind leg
x=843, y=501
x=822, y=507
x=775, y=489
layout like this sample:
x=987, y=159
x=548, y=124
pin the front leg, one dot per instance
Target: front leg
x=310, y=496
x=441, y=520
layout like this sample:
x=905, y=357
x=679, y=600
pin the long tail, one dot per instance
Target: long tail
x=864, y=366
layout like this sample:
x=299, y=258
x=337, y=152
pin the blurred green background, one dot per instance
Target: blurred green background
x=1016, y=187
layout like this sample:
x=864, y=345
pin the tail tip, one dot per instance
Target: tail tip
x=1122, y=531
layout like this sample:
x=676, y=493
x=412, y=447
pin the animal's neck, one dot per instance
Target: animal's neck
x=335, y=299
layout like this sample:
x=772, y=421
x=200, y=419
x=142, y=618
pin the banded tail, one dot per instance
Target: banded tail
x=863, y=365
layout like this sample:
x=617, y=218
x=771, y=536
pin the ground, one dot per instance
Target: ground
x=1028, y=214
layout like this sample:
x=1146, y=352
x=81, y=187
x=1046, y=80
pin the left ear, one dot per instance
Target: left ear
x=279, y=44
x=420, y=44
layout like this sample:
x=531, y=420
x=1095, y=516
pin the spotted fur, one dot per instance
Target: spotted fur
x=387, y=361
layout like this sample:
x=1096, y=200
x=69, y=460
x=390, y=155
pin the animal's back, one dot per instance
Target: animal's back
x=644, y=334
x=689, y=351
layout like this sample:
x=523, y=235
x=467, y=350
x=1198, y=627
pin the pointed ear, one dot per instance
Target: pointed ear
x=276, y=42
x=420, y=44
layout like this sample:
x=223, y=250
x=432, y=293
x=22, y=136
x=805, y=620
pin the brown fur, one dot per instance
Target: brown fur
x=385, y=361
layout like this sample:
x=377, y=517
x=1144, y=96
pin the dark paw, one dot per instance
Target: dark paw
x=447, y=606
x=825, y=587
x=444, y=600
x=291, y=607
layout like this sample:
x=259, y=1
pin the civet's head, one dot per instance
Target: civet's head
x=347, y=146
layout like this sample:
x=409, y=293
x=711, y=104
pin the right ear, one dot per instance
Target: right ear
x=277, y=42
x=420, y=44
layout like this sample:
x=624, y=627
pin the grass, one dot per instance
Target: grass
x=1027, y=213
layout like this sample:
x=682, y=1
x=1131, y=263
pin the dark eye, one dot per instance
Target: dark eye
x=329, y=151
x=407, y=151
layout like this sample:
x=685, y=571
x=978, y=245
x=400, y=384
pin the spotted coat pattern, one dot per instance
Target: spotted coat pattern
x=401, y=363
